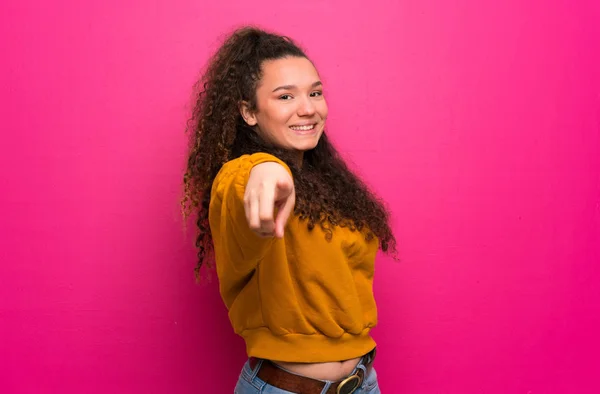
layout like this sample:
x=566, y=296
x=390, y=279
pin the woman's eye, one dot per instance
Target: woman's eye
x=285, y=97
x=316, y=94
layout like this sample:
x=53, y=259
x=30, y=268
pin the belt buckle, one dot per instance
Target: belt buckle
x=350, y=380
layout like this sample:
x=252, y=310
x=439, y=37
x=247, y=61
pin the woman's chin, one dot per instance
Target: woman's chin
x=305, y=147
x=306, y=144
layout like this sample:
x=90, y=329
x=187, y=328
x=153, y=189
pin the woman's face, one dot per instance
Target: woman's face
x=291, y=109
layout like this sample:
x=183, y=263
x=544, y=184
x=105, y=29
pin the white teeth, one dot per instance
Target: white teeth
x=303, y=128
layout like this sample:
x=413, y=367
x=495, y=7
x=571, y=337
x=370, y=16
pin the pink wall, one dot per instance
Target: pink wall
x=478, y=123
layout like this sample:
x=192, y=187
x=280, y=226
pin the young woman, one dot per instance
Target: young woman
x=293, y=232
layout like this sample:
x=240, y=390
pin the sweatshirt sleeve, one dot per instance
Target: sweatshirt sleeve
x=235, y=244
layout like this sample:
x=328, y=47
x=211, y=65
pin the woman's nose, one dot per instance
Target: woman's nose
x=306, y=107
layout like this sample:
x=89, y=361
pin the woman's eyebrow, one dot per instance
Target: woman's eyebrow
x=292, y=87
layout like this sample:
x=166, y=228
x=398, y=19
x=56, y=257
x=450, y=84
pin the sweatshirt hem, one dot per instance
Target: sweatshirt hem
x=261, y=343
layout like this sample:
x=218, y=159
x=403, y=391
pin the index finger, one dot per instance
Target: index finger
x=283, y=215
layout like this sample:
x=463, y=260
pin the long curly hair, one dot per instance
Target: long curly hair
x=328, y=194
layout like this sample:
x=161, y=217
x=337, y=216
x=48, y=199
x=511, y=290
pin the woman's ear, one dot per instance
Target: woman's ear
x=248, y=115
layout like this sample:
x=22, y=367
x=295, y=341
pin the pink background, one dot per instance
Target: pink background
x=478, y=123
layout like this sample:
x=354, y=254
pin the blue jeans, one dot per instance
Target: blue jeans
x=249, y=383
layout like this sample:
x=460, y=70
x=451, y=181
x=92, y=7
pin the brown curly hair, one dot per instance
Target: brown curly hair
x=327, y=192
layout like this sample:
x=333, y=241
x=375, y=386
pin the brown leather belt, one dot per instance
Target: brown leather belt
x=280, y=378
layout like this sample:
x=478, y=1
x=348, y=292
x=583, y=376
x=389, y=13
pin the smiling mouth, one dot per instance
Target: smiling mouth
x=303, y=128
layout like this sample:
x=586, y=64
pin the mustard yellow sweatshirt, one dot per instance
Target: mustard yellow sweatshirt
x=300, y=298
